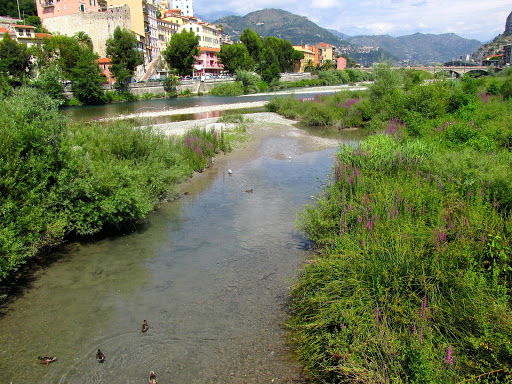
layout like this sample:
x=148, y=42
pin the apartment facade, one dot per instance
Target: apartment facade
x=309, y=56
x=54, y=8
x=185, y=6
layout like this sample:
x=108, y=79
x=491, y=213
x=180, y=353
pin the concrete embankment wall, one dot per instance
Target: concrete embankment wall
x=194, y=86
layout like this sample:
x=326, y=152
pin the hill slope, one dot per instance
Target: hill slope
x=279, y=23
x=423, y=48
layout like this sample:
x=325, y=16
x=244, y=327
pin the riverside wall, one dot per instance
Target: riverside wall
x=194, y=86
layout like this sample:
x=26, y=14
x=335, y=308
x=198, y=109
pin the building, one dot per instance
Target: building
x=105, y=64
x=208, y=63
x=165, y=31
x=507, y=54
x=186, y=6
x=341, y=63
x=209, y=34
x=54, y=8
x=309, y=57
x=324, y=52
x=10, y=32
x=99, y=26
x=26, y=34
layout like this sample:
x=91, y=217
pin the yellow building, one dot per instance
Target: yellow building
x=309, y=56
x=209, y=34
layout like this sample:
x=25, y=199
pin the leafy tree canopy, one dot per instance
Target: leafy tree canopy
x=10, y=8
x=235, y=57
x=253, y=43
x=15, y=63
x=122, y=49
x=88, y=79
x=181, y=52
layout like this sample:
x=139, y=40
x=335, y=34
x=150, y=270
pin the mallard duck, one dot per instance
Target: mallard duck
x=100, y=356
x=152, y=378
x=46, y=360
x=145, y=326
x=249, y=190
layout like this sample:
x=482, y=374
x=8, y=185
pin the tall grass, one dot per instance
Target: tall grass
x=413, y=279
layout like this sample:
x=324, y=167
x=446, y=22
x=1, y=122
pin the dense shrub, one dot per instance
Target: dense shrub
x=58, y=178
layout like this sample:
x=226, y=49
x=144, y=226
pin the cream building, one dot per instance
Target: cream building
x=209, y=34
x=186, y=6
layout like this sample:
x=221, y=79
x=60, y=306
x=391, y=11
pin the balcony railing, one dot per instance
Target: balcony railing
x=47, y=4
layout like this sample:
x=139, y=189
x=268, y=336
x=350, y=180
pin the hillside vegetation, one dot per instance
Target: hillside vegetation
x=423, y=48
x=279, y=23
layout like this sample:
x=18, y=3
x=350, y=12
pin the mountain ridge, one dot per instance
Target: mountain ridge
x=418, y=47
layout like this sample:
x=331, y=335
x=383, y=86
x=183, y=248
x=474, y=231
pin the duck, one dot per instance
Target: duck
x=46, y=360
x=152, y=378
x=249, y=190
x=230, y=171
x=100, y=356
x=145, y=326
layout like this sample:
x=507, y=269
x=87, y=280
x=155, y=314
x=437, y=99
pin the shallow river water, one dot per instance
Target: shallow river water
x=210, y=272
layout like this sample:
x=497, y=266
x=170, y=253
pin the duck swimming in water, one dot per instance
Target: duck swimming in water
x=100, y=356
x=152, y=378
x=46, y=360
x=145, y=326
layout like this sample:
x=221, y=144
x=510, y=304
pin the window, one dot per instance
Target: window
x=82, y=8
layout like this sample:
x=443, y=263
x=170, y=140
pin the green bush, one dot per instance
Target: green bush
x=228, y=89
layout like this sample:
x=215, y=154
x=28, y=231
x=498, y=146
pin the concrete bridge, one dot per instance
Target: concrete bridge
x=454, y=71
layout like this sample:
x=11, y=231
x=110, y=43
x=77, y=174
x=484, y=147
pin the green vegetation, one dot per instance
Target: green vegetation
x=15, y=65
x=181, y=52
x=413, y=277
x=60, y=179
x=122, y=49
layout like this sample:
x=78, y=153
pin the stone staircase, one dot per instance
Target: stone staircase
x=151, y=69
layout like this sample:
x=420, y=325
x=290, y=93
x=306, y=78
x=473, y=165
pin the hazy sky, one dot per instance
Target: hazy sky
x=481, y=20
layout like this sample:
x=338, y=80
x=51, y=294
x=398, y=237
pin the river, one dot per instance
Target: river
x=210, y=272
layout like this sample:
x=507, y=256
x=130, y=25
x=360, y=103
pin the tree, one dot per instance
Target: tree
x=297, y=57
x=235, y=57
x=270, y=70
x=84, y=40
x=88, y=79
x=122, y=50
x=181, y=52
x=253, y=43
x=15, y=63
x=50, y=81
x=283, y=50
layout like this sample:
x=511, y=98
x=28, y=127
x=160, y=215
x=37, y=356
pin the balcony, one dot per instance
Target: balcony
x=47, y=4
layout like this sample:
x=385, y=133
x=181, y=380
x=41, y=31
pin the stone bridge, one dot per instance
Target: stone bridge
x=454, y=71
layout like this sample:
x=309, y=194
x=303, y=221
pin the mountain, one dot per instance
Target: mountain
x=339, y=34
x=422, y=48
x=276, y=22
x=495, y=47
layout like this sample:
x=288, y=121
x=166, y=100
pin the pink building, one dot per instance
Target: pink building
x=341, y=63
x=105, y=64
x=52, y=8
x=208, y=63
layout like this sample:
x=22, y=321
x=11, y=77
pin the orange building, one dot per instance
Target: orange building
x=105, y=64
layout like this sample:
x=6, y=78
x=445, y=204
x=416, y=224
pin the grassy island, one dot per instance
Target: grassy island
x=413, y=275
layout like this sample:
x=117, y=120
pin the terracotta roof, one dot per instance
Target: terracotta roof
x=104, y=60
x=3, y=30
x=24, y=26
x=206, y=49
x=324, y=45
x=43, y=35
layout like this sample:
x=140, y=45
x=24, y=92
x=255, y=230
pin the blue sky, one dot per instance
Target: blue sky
x=481, y=20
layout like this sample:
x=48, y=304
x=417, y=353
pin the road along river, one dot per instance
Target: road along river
x=210, y=272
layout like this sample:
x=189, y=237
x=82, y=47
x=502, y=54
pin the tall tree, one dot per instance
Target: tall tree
x=283, y=50
x=181, y=52
x=236, y=56
x=15, y=63
x=88, y=79
x=122, y=50
x=270, y=69
x=253, y=43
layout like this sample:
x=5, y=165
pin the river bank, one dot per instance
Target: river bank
x=210, y=272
